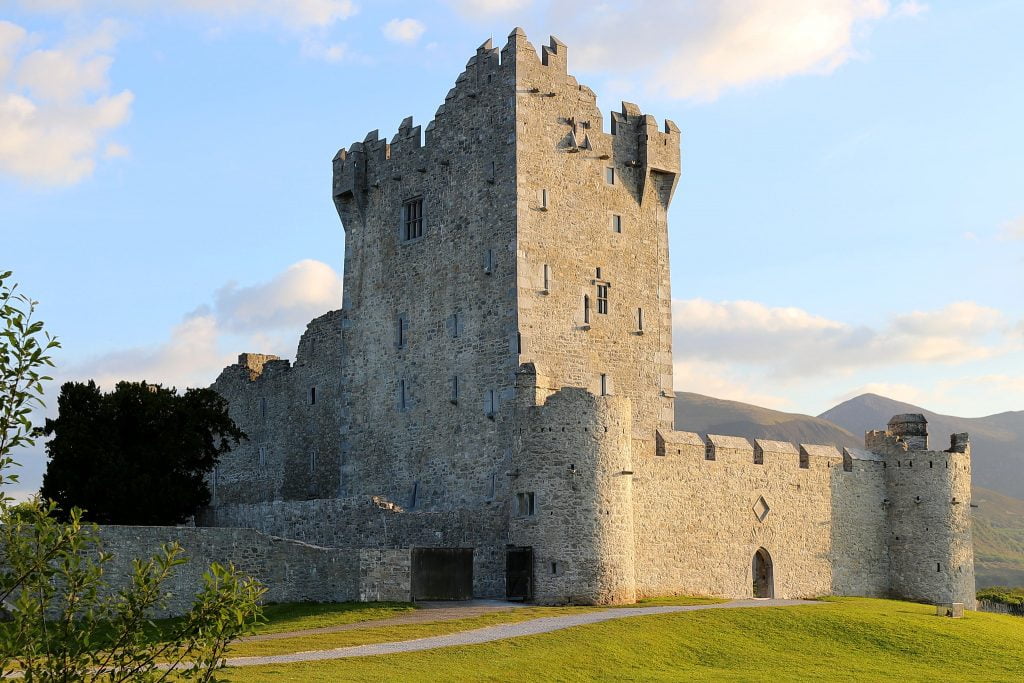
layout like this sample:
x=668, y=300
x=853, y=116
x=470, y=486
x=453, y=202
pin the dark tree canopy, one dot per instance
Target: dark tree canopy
x=136, y=455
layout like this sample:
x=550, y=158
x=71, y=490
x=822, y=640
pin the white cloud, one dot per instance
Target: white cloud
x=403, y=30
x=479, y=9
x=328, y=52
x=56, y=105
x=303, y=291
x=293, y=14
x=266, y=318
x=699, y=49
x=1013, y=230
x=790, y=342
x=722, y=381
x=911, y=8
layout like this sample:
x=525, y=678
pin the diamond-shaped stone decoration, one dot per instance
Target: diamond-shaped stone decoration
x=761, y=508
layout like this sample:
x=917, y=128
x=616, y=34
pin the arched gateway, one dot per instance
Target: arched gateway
x=764, y=581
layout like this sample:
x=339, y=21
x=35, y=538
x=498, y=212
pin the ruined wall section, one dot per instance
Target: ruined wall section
x=592, y=200
x=452, y=290
x=290, y=413
x=704, y=507
x=573, y=461
x=372, y=523
x=291, y=570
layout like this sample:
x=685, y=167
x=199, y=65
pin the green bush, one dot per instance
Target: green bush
x=1007, y=596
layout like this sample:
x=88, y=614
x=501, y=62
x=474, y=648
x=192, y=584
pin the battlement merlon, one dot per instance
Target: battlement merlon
x=635, y=140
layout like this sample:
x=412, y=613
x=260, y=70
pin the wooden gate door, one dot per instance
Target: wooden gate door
x=519, y=574
x=442, y=573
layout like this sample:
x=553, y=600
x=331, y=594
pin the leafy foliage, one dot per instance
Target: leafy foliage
x=136, y=455
x=63, y=620
x=1014, y=597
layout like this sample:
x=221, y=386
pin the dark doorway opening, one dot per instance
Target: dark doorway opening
x=442, y=573
x=764, y=580
x=519, y=574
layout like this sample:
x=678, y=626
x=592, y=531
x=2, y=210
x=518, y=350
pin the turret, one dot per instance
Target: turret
x=572, y=500
x=929, y=512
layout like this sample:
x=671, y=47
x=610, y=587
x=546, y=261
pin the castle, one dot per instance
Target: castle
x=490, y=412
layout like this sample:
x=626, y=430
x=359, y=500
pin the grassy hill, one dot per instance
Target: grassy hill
x=999, y=518
x=840, y=639
x=997, y=441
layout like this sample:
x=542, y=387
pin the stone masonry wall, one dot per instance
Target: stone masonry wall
x=292, y=571
x=363, y=522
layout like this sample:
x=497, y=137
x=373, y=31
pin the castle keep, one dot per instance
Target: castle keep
x=490, y=412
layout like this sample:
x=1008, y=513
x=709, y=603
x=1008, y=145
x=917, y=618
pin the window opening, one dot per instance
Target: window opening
x=312, y=395
x=489, y=407
x=586, y=309
x=602, y=299
x=489, y=261
x=604, y=384
x=525, y=506
x=412, y=219
x=455, y=389
x=312, y=460
x=544, y=199
x=263, y=456
x=402, y=399
x=609, y=175
x=547, y=277
x=400, y=331
x=617, y=223
x=263, y=407
x=639, y=320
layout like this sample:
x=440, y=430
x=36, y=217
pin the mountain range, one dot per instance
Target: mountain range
x=997, y=448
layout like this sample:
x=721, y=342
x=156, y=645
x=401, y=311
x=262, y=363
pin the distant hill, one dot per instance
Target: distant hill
x=706, y=415
x=997, y=441
x=998, y=519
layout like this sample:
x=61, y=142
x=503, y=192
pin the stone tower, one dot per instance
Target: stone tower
x=457, y=272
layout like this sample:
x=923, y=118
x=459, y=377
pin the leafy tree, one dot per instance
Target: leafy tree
x=64, y=621
x=136, y=455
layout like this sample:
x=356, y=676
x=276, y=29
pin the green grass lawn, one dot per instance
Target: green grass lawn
x=304, y=615
x=843, y=639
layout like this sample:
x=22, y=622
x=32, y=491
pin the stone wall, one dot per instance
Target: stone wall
x=291, y=570
x=364, y=522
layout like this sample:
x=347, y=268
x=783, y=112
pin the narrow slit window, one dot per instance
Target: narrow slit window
x=489, y=403
x=263, y=456
x=602, y=299
x=586, y=309
x=525, y=504
x=489, y=261
x=617, y=223
x=312, y=461
x=639, y=320
x=414, y=494
x=455, y=389
x=263, y=407
x=400, y=332
x=609, y=175
x=403, y=399
x=604, y=384
x=455, y=324
x=543, y=198
x=312, y=395
x=547, y=277
x=412, y=219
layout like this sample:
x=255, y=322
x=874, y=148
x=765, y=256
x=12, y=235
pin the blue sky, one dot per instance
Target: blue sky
x=850, y=217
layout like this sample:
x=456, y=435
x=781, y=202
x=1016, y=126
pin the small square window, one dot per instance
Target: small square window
x=609, y=175
x=412, y=219
x=525, y=506
x=617, y=223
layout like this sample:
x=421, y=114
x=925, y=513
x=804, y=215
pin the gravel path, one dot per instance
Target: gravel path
x=500, y=632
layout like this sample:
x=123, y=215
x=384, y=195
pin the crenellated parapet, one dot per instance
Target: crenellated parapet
x=689, y=448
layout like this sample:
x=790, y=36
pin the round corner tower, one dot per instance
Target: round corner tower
x=930, y=547
x=572, y=502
